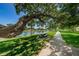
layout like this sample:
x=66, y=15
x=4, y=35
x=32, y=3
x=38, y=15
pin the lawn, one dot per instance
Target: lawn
x=31, y=45
x=24, y=46
x=71, y=38
x=51, y=34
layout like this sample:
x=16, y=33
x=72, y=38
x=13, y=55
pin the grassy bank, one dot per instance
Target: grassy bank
x=71, y=38
x=51, y=34
x=25, y=46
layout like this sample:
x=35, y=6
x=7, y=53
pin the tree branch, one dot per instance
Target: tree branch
x=12, y=31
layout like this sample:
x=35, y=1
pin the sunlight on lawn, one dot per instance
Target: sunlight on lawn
x=71, y=38
x=22, y=46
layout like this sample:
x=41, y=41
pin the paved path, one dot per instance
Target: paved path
x=56, y=47
x=61, y=49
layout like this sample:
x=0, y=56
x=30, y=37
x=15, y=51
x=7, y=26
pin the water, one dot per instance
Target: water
x=29, y=33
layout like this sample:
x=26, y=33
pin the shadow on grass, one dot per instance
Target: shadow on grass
x=25, y=46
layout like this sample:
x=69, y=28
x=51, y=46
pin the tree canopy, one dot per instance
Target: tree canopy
x=55, y=15
x=65, y=14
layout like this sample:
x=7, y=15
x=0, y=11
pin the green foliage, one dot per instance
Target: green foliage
x=66, y=15
x=73, y=11
x=30, y=8
x=71, y=8
x=25, y=46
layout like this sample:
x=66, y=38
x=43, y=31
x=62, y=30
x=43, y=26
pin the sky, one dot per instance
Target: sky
x=8, y=14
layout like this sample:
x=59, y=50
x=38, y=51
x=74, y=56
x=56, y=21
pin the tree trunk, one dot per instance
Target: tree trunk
x=31, y=29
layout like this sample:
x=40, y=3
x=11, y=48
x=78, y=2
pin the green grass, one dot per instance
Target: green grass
x=51, y=34
x=24, y=46
x=71, y=38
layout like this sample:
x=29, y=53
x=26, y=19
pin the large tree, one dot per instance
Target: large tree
x=32, y=11
x=63, y=15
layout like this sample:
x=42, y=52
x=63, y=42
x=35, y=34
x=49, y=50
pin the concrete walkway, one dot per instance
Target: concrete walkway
x=57, y=47
x=61, y=49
